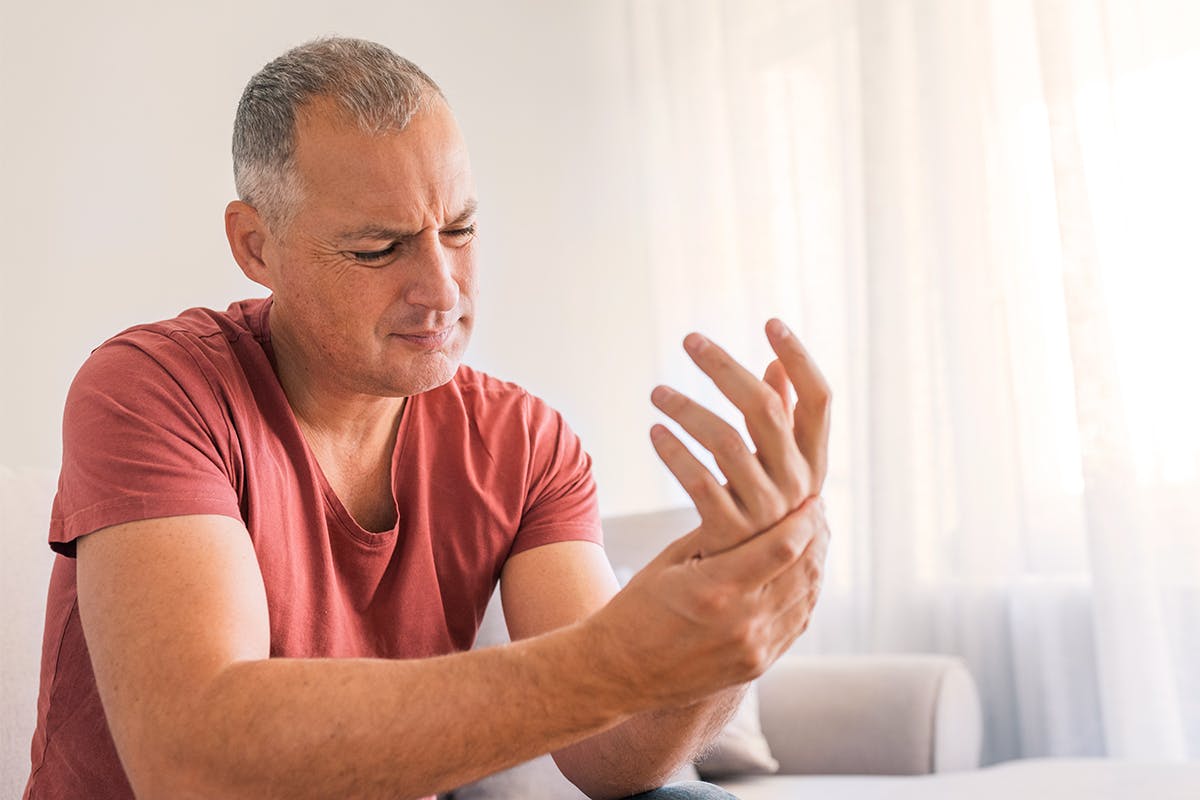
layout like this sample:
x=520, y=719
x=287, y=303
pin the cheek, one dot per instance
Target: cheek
x=464, y=275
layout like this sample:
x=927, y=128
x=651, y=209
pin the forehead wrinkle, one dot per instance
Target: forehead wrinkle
x=387, y=232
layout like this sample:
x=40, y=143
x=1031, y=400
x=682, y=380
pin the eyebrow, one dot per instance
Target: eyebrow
x=384, y=232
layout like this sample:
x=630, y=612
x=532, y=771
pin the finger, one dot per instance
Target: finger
x=776, y=377
x=814, y=399
x=758, y=561
x=767, y=420
x=800, y=583
x=796, y=593
x=755, y=492
x=795, y=620
x=724, y=523
x=790, y=626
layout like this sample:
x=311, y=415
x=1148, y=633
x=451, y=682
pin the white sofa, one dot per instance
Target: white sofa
x=912, y=715
x=875, y=727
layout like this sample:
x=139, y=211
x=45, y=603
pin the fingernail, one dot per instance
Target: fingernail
x=694, y=342
x=778, y=329
x=661, y=394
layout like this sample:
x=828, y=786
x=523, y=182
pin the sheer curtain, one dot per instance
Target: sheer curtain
x=981, y=216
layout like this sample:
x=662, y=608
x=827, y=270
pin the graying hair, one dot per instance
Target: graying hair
x=376, y=89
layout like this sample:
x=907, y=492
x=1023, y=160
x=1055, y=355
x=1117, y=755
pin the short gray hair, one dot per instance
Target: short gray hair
x=376, y=89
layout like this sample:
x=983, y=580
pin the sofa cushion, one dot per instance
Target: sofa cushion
x=900, y=714
x=25, y=563
x=740, y=748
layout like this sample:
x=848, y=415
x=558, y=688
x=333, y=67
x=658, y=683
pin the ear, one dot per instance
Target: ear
x=248, y=235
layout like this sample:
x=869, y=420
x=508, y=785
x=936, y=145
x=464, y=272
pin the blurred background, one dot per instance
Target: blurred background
x=981, y=217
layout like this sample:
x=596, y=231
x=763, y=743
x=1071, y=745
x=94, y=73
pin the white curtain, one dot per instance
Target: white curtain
x=981, y=216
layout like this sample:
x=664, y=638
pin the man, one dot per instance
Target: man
x=279, y=525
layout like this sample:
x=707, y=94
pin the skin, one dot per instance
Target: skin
x=196, y=707
x=336, y=315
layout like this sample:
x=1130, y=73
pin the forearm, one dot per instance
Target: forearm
x=648, y=748
x=374, y=728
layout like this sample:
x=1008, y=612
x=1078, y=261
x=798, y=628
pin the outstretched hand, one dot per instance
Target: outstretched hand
x=731, y=596
x=791, y=440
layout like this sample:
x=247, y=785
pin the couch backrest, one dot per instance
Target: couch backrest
x=25, y=563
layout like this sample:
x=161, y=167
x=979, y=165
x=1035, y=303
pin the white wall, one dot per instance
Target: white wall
x=115, y=123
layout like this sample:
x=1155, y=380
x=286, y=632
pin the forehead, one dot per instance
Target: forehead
x=393, y=177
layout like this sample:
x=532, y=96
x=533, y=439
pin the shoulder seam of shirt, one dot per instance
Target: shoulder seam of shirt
x=177, y=337
x=207, y=380
x=168, y=328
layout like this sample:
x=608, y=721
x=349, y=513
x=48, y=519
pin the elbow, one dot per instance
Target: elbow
x=167, y=772
x=163, y=779
x=608, y=781
x=183, y=760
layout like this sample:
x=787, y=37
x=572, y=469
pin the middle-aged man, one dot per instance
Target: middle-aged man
x=278, y=525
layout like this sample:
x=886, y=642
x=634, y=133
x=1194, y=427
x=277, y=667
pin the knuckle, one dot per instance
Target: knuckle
x=707, y=488
x=813, y=571
x=752, y=654
x=816, y=579
x=787, y=549
x=765, y=505
x=779, y=507
x=715, y=601
x=728, y=442
x=791, y=487
x=766, y=401
x=823, y=397
x=759, y=658
x=695, y=485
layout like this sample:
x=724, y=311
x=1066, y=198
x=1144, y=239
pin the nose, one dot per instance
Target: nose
x=431, y=282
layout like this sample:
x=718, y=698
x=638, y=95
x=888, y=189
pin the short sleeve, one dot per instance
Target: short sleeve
x=144, y=436
x=561, y=503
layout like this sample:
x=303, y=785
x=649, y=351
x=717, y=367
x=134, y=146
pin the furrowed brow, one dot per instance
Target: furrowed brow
x=384, y=233
x=381, y=232
x=468, y=211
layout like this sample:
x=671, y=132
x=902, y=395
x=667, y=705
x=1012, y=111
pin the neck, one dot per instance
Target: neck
x=328, y=413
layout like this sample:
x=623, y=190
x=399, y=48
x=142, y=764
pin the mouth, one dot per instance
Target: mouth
x=427, y=340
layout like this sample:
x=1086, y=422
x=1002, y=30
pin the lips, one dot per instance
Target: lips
x=427, y=340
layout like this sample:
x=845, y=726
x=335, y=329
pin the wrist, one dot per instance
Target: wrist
x=619, y=680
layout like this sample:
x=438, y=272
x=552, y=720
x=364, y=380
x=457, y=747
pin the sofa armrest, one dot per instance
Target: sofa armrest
x=871, y=715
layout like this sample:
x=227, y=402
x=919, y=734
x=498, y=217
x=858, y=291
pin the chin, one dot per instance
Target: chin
x=427, y=374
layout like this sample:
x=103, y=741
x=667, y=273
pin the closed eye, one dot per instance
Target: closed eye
x=462, y=234
x=374, y=255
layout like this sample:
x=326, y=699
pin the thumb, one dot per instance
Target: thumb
x=777, y=378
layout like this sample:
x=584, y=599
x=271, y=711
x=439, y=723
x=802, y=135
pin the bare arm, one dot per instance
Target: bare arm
x=553, y=586
x=176, y=622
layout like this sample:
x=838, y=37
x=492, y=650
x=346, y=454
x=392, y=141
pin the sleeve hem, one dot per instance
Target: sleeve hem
x=550, y=533
x=64, y=532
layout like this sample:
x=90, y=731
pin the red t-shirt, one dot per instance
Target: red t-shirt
x=187, y=417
